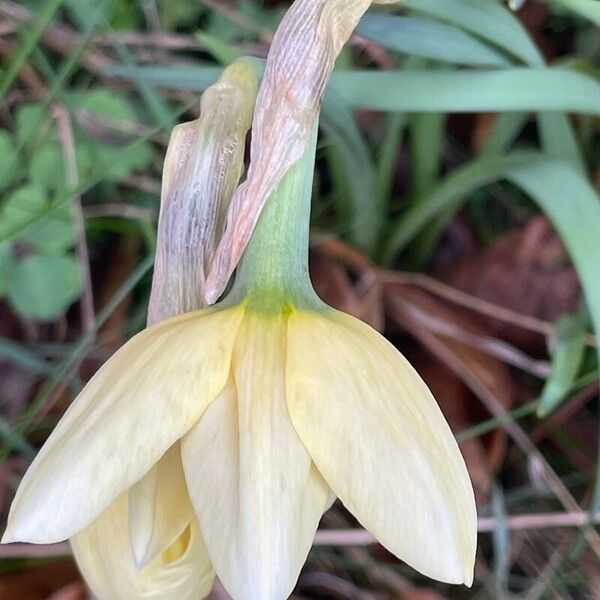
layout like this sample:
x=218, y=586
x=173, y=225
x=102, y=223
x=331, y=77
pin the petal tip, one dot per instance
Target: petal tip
x=7, y=537
x=468, y=567
x=15, y=533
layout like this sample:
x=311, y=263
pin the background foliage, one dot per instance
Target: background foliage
x=456, y=209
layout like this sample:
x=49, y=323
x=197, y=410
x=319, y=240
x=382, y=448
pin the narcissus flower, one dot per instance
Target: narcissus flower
x=227, y=432
x=213, y=441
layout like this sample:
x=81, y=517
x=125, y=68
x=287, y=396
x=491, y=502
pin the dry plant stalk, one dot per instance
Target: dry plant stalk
x=299, y=64
x=203, y=165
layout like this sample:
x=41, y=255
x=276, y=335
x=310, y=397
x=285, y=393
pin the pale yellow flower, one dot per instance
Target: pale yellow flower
x=275, y=409
x=213, y=442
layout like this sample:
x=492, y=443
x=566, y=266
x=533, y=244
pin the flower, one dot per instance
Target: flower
x=274, y=410
x=213, y=442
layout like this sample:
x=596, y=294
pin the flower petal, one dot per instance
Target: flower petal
x=255, y=490
x=380, y=441
x=159, y=508
x=105, y=558
x=138, y=405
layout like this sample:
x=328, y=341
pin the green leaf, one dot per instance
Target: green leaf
x=7, y=265
x=355, y=160
x=449, y=196
x=421, y=37
x=573, y=206
x=564, y=195
x=112, y=161
x=46, y=169
x=220, y=50
x=196, y=79
x=566, y=361
x=558, y=138
x=388, y=154
x=84, y=12
x=51, y=235
x=9, y=166
x=519, y=89
x=589, y=9
x=28, y=120
x=505, y=131
x=486, y=19
x=103, y=102
x=43, y=287
x=426, y=141
x=29, y=40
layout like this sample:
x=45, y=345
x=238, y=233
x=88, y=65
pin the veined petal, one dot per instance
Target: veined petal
x=204, y=161
x=105, y=558
x=380, y=441
x=159, y=508
x=257, y=494
x=136, y=407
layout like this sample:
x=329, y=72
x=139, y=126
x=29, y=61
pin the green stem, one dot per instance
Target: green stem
x=274, y=269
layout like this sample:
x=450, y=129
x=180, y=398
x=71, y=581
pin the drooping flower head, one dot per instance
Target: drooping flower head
x=249, y=418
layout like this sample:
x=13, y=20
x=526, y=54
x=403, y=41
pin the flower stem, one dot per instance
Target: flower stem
x=274, y=269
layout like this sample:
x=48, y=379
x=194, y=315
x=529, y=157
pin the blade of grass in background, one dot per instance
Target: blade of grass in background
x=487, y=19
x=558, y=138
x=501, y=542
x=456, y=188
x=505, y=131
x=388, y=153
x=426, y=140
x=421, y=37
x=31, y=38
x=191, y=78
x=499, y=27
x=573, y=206
x=515, y=89
x=19, y=355
x=566, y=360
x=470, y=91
x=589, y=9
x=365, y=215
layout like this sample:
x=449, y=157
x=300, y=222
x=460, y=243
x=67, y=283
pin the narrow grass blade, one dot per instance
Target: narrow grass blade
x=566, y=361
x=505, y=131
x=426, y=140
x=519, y=89
x=31, y=38
x=558, y=138
x=486, y=19
x=365, y=212
x=421, y=37
x=589, y=9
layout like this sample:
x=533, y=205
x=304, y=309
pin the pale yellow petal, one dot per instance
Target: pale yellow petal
x=381, y=442
x=257, y=494
x=136, y=407
x=104, y=556
x=159, y=508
